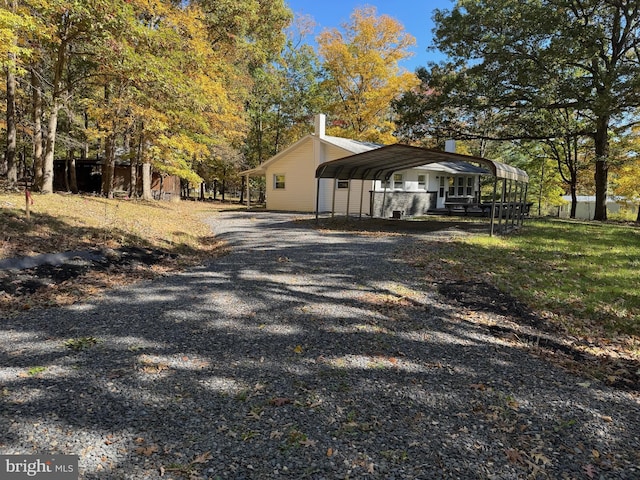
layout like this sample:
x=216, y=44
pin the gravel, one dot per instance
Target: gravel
x=301, y=354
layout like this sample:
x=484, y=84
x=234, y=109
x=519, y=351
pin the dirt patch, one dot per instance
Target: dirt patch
x=60, y=284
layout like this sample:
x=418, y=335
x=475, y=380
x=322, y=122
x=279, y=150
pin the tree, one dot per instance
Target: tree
x=285, y=95
x=362, y=71
x=626, y=174
x=12, y=54
x=518, y=57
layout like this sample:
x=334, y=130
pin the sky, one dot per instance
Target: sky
x=414, y=15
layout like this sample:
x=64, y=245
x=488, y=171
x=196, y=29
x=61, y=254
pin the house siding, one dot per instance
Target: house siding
x=300, y=187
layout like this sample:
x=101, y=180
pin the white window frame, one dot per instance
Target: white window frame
x=276, y=182
x=422, y=184
x=398, y=181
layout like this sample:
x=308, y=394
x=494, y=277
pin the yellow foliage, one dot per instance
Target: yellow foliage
x=362, y=63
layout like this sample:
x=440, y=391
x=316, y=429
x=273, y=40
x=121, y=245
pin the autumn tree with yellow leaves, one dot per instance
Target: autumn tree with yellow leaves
x=361, y=64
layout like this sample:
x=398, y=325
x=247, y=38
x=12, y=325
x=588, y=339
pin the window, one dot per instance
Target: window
x=385, y=184
x=278, y=182
x=469, y=186
x=452, y=187
x=461, y=186
x=397, y=181
x=441, y=190
x=342, y=184
x=422, y=182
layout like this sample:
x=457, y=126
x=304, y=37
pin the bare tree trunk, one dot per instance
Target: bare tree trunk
x=108, y=167
x=38, y=165
x=133, y=164
x=146, y=181
x=47, y=176
x=602, y=167
x=71, y=166
x=10, y=152
x=47, y=180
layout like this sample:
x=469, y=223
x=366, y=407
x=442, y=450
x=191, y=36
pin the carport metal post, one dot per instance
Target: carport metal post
x=348, y=197
x=364, y=174
x=317, y=198
x=513, y=184
x=384, y=196
x=493, y=204
x=333, y=200
x=502, y=199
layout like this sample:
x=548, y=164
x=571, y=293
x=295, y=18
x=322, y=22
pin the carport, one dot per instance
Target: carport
x=510, y=183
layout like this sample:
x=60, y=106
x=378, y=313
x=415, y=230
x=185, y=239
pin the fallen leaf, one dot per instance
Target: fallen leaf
x=202, y=458
x=308, y=442
x=279, y=401
x=540, y=458
x=595, y=453
x=589, y=470
x=513, y=455
x=370, y=468
x=607, y=418
x=147, y=451
x=329, y=452
x=478, y=386
x=298, y=349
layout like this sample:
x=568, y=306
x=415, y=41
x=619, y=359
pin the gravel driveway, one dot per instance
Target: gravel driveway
x=300, y=354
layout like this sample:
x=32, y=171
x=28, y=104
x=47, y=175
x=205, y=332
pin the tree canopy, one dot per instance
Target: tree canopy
x=512, y=59
x=363, y=75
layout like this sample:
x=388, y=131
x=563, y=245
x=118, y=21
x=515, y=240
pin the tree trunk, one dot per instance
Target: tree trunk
x=108, y=167
x=243, y=186
x=638, y=217
x=47, y=177
x=602, y=167
x=10, y=153
x=38, y=165
x=146, y=181
x=73, y=179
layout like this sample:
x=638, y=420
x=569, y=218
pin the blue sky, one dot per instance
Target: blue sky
x=415, y=15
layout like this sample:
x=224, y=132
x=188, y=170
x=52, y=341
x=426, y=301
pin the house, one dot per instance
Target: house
x=291, y=183
x=586, y=206
x=89, y=179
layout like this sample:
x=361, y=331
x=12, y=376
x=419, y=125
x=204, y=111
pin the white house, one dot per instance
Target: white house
x=586, y=206
x=291, y=183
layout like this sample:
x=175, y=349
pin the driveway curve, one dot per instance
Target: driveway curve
x=302, y=353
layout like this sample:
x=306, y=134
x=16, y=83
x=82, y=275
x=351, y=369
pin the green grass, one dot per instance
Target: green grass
x=586, y=275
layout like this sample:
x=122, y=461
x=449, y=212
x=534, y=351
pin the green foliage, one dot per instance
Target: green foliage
x=516, y=64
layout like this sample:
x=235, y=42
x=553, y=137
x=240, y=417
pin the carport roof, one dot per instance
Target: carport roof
x=380, y=163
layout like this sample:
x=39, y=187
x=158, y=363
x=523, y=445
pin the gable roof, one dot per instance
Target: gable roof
x=454, y=167
x=380, y=163
x=346, y=144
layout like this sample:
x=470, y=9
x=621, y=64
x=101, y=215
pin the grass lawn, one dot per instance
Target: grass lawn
x=61, y=222
x=583, y=277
